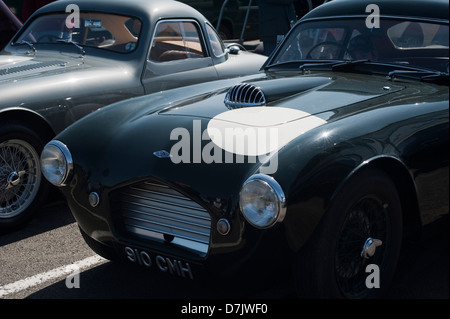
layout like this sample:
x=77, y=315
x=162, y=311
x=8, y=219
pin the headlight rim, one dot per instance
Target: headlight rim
x=64, y=150
x=277, y=190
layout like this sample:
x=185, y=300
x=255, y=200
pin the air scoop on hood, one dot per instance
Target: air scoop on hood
x=260, y=94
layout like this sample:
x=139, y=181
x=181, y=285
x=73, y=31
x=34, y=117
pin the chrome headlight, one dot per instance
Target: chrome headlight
x=56, y=163
x=262, y=201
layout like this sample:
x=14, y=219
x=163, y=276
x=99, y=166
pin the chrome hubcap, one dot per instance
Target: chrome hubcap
x=13, y=179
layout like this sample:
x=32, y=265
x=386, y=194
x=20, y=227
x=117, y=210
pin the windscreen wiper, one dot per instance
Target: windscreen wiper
x=282, y=64
x=422, y=75
x=340, y=65
x=79, y=47
x=438, y=78
x=31, y=47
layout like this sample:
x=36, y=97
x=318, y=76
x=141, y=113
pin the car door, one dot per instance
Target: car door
x=178, y=56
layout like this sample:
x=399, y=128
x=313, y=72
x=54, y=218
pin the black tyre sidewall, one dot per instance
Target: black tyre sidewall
x=9, y=131
x=315, y=265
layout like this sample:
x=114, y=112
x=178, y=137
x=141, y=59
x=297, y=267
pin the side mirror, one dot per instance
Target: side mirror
x=234, y=49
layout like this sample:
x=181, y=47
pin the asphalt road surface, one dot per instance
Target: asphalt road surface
x=39, y=262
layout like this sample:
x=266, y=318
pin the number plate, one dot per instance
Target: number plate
x=164, y=264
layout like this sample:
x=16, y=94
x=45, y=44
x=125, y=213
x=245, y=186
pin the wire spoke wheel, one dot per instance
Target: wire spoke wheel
x=367, y=220
x=354, y=250
x=20, y=177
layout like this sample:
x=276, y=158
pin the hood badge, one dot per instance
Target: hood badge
x=162, y=154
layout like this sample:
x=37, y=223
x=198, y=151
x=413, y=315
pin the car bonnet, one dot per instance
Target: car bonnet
x=290, y=108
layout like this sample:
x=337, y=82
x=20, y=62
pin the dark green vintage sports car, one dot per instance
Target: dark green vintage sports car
x=321, y=164
x=73, y=57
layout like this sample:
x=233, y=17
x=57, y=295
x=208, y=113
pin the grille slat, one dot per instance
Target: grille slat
x=244, y=95
x=168, y=226
x=154, y=211
x=160, y=200
x=149, y=209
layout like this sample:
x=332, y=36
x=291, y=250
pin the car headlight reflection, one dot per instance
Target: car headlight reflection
x=56, y=163
x=262, y=201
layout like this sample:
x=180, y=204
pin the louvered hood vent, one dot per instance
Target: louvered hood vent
x=31, y=66
x=244, y=95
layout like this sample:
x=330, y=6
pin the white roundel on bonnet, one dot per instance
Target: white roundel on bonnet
x=256, y=131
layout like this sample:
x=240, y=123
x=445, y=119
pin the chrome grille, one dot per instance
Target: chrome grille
x=155, y=211
x=244, y=95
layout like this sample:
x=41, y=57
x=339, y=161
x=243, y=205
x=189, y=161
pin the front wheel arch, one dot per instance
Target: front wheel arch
x=331, y=264
x=404, y=182
x=30, y=119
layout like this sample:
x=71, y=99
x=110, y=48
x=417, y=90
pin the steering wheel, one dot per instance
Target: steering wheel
x=326, y=51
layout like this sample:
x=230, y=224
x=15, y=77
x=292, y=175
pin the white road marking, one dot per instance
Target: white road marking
x=49, y=275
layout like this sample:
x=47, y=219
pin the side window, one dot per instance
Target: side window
x=217, y=46
x=176, y=40
x=419, y=35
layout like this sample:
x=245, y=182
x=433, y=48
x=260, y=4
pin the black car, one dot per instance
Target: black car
x=320, y=165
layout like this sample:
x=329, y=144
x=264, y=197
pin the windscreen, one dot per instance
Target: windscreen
x=98, y=30
x=415, y=43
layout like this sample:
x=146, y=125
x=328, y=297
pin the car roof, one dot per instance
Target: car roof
x=422, y=9
x=150, y=9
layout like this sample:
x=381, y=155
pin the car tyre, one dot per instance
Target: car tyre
x=22, y=186
x=340, y=261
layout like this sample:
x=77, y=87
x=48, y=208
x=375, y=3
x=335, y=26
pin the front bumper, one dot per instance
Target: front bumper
x=174, y=230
